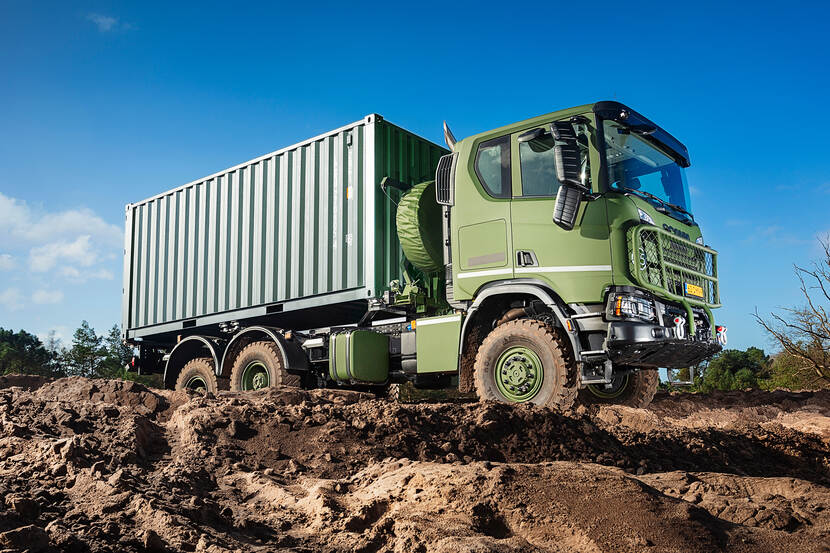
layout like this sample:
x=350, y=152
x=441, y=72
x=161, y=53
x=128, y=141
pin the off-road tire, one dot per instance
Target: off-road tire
x=393, y=392
x=558, y=388
x=267, y=354
x=638, y=392
x=199, y=368
x=466, y=377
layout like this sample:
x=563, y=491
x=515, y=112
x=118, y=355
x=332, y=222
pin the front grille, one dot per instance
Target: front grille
x=669, y=265
x=444, y=177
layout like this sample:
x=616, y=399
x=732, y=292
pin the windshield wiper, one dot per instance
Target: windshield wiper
x=659, y=199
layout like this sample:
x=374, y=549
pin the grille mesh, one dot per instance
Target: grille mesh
x=669, y=263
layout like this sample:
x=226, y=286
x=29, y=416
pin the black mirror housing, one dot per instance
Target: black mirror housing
x=566, y=154
x=568, y=169
x=566, y=207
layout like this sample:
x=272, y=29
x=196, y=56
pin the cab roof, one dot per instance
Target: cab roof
x=606, y=109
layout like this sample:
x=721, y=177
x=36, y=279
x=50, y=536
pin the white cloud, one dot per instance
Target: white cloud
x=73, y=242
x=77, y=252
x=44, y=297
x=105, y=23
x=7, y=262
x=11, y=299
x=75, y=274
x=37, y=226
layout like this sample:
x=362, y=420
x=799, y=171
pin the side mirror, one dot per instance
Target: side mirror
x=566, y=161
x=566, y=207
x=566, y=153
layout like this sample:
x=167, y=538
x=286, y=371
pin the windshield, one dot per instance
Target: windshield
x=637, y=164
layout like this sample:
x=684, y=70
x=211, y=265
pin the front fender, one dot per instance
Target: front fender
x=525, y=287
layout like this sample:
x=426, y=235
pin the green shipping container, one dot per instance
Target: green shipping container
x=300, y=228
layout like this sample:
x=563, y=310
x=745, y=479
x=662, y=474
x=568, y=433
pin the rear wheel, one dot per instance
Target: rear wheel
x=393, y=392
x=634, y=389
x=198, y=375
x=259, y=365
x=525, y=361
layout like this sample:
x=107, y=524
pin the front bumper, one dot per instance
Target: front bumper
x=645, y=345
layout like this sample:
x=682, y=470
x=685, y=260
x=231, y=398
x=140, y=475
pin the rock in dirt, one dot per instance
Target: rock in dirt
x=29, y=538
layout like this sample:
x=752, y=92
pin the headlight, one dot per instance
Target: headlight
x=699, y=240
x=623, y=306
x=645, y=217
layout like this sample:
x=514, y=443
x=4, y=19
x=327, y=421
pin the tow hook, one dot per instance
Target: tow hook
x=721, y=330
x=680, y=327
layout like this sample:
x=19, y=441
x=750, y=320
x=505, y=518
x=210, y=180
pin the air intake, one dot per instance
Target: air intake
x=444, y=180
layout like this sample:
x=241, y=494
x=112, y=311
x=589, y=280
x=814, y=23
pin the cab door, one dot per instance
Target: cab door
x=576, y=263
x=484, y=194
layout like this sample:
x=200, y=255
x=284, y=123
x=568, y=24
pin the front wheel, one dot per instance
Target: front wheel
x=634, y=389
x=525, y=361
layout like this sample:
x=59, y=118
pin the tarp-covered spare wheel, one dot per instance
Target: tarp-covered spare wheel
x=419, y=227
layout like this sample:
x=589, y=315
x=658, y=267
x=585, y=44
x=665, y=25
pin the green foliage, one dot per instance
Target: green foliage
x=744, y=379
x=734, y=369
x=21, y=352
x=792, y=373
x=87, y=354
x=717, y=377
x=738, y=370
x=118, y=354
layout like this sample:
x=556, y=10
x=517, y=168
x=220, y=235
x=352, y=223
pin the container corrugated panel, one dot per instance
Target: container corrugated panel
x=302, y=226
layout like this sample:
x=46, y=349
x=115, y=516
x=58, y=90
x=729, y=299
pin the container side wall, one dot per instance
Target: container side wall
x=285, y=226
x=299, y=223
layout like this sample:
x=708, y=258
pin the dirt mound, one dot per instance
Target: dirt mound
x=802, y=411
x=113, y=466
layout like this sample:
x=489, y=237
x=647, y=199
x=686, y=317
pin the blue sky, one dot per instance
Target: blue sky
x=104, y=103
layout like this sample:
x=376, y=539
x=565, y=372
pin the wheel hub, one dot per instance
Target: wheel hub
x=519, y=374
x=196, y=383
x=255, y=377
x=618, y=386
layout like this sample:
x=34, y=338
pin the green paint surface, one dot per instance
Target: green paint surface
x=359, y=356
x=437, y=341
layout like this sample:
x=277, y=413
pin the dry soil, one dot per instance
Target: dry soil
x=91, y=465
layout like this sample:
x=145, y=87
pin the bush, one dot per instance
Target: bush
x=744, y=379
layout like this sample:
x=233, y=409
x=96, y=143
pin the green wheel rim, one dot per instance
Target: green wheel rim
x=519, y=374
x=255, y=376
x=196, y=383
x=618, y=385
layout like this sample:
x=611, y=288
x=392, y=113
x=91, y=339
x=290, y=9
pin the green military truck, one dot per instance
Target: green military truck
x=547, y=261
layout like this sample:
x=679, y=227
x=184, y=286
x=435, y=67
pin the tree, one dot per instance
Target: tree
x=118, y=355
x=804, y=332
x=87, y=354
x=734, y=369
x=21, y=352
x=56, y=351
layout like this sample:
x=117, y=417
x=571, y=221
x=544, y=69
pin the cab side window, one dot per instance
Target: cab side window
x=538, y=169
x=493, y=167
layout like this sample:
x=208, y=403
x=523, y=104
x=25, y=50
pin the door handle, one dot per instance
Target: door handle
x=526, y=258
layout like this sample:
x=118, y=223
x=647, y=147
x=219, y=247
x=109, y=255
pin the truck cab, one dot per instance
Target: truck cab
x=627, y=277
